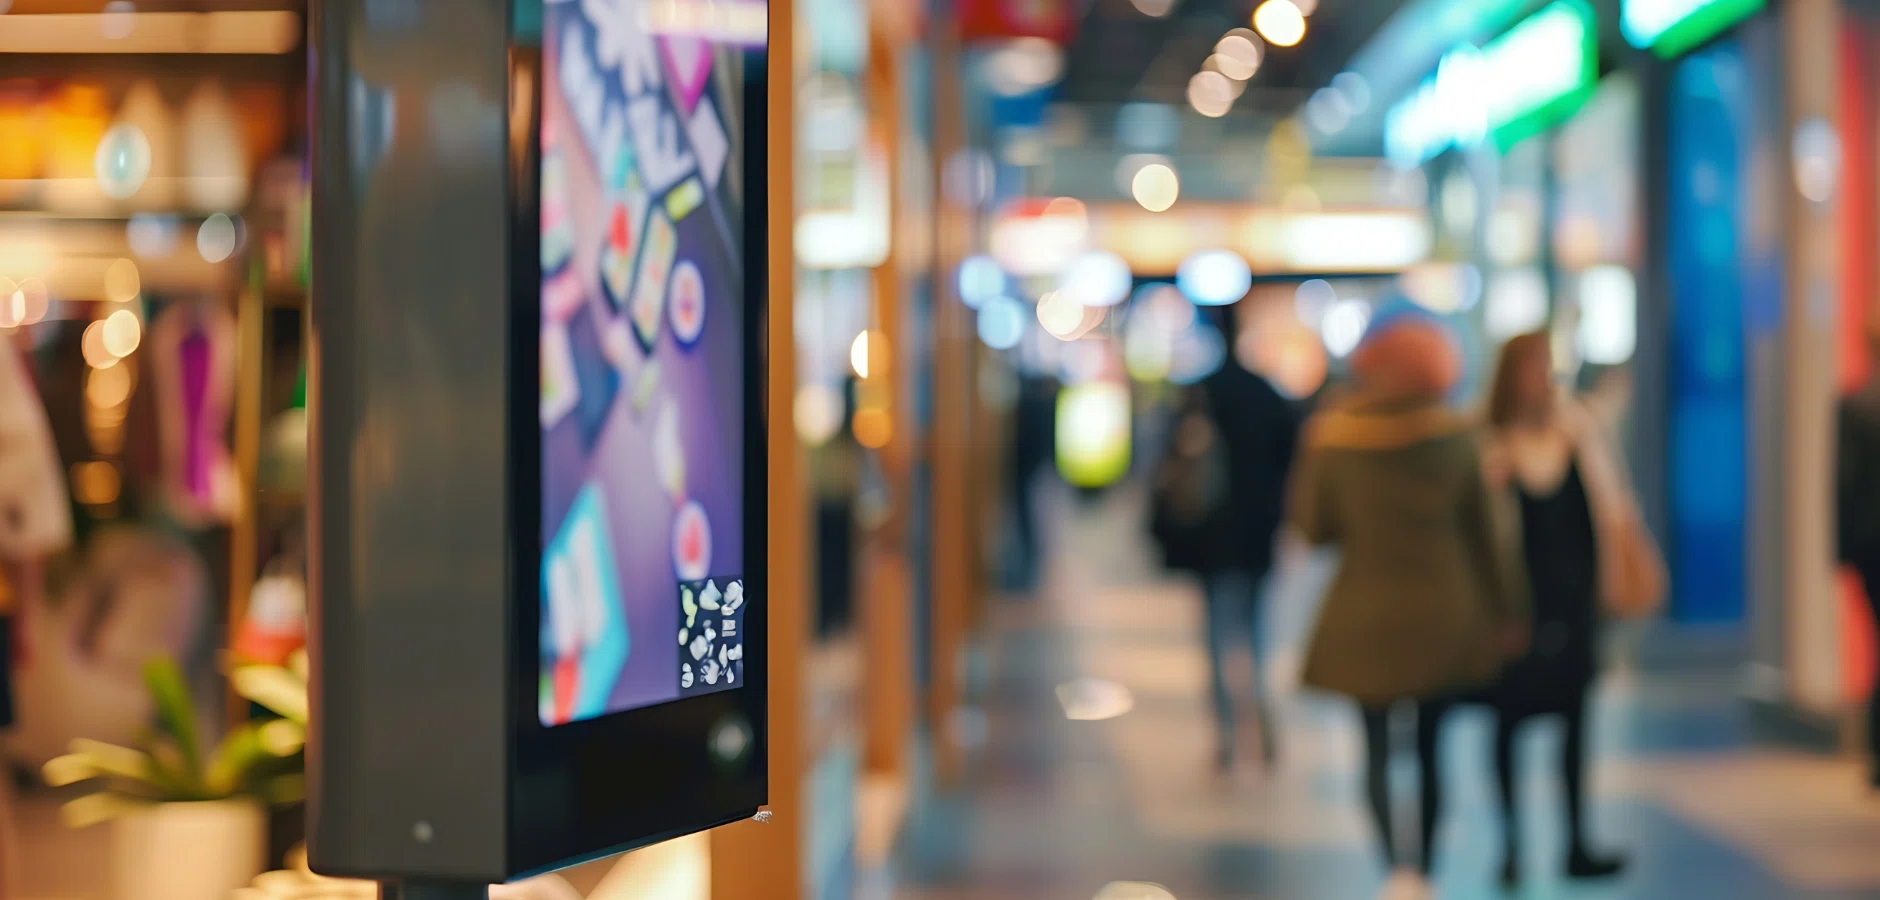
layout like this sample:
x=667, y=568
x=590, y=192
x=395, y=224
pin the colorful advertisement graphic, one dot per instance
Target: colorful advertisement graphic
x=642, y=405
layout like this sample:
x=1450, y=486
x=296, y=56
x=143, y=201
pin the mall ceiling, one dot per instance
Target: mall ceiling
x=1120, y=55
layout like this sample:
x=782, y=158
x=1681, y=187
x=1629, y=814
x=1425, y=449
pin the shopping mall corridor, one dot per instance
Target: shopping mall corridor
x=1054, y=809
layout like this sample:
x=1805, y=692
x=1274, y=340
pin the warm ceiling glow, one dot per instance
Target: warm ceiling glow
x=1156, y=187
x=226, y=32
x=1280, y=22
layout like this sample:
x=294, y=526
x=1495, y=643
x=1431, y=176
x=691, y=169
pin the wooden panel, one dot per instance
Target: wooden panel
x=765, y=859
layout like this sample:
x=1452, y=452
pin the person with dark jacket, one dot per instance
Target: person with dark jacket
x=1857, y=515
x=1233, y=447
x=1427, y=601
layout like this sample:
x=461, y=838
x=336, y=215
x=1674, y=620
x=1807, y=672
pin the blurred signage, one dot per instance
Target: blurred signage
x=1271, y=240
x=1532, y=77
x=1672, y=27
x=991, y=20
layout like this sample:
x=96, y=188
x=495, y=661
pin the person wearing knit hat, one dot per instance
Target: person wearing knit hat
x=1428, y=600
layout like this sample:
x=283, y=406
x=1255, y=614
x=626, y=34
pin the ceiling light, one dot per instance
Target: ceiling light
x=1280, y=22
x=1211, y=94
x=1155, y=186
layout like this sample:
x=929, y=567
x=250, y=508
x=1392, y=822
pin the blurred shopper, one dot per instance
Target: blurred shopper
x=1857, y=516
x=1034, y=446
x=1427, y=602
x=1219, y=500
x=1579, y=536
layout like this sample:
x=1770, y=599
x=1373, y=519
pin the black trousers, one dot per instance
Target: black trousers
x=1378, y=754
x=1573, y=755
x=1870, y=581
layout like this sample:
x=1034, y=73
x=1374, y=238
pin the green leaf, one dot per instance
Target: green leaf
x=171, y=771
x=101, y=759
x=273, y=687
x=176, y=713
x=285, y=790
x=235, y=762
x=92, y=809
x=284, y=737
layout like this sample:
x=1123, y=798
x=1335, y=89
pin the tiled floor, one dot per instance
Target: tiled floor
x=1056, y=809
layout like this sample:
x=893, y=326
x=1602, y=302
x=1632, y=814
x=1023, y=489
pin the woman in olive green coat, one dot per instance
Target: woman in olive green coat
x=1426, y=603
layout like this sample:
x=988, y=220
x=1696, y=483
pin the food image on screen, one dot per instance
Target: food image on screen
x=642, y=364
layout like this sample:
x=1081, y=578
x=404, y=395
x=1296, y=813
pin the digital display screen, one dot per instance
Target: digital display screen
x=642, y=363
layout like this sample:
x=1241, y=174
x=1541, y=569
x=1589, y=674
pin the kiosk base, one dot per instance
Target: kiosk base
x=434, y=890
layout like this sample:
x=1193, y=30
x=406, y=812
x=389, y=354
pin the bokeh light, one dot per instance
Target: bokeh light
x=1211, y=94
x=216, y=239
x=122, y=283
x=1280, y=22
x=1097, y=278
x=23, y=303
x=12, y=305
x=817, y=413
x=1199, y=351
x=1214, y=277
x=1608, y=331
x=151, y=235
x=981, y=280
x=1023, y=65
x=1155, y=187
x=1356, y=91
x=1093, y=422
x=1154, y=9
x=1239, y=51
x=122, y=333
x=873, y=427
x=122, y=161
x=1060, y=315
x=1311, y=300
x=108, y=388
x=91, y=345
x=1343, y=326
x=1001, y=323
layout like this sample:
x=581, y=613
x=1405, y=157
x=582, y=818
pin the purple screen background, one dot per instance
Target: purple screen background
x=606, y=441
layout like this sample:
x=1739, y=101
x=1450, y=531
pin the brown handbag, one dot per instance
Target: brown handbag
x=1637, y=589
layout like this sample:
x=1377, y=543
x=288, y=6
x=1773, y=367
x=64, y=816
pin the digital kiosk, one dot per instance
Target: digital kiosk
x=538, y=501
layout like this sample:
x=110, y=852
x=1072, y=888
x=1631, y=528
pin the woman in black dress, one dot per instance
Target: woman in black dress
x=1551, y=453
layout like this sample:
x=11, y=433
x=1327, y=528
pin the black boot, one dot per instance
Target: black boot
x=1584, y=865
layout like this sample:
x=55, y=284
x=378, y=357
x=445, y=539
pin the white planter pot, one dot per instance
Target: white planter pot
x=187, y=851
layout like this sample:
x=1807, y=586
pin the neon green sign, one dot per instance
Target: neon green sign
x=1672, y=27
x=1527, y=80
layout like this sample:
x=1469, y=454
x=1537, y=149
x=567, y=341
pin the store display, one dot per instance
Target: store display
x=140, y=157
x=192, y=355
x=215, y=154
x=632, y=549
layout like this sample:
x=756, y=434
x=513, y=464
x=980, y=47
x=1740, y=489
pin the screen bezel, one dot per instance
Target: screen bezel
x=609, y=784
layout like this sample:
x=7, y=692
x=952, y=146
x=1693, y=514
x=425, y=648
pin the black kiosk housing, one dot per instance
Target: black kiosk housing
x=430, y=762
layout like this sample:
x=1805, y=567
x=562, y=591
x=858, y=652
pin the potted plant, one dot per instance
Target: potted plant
x=188, y=822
